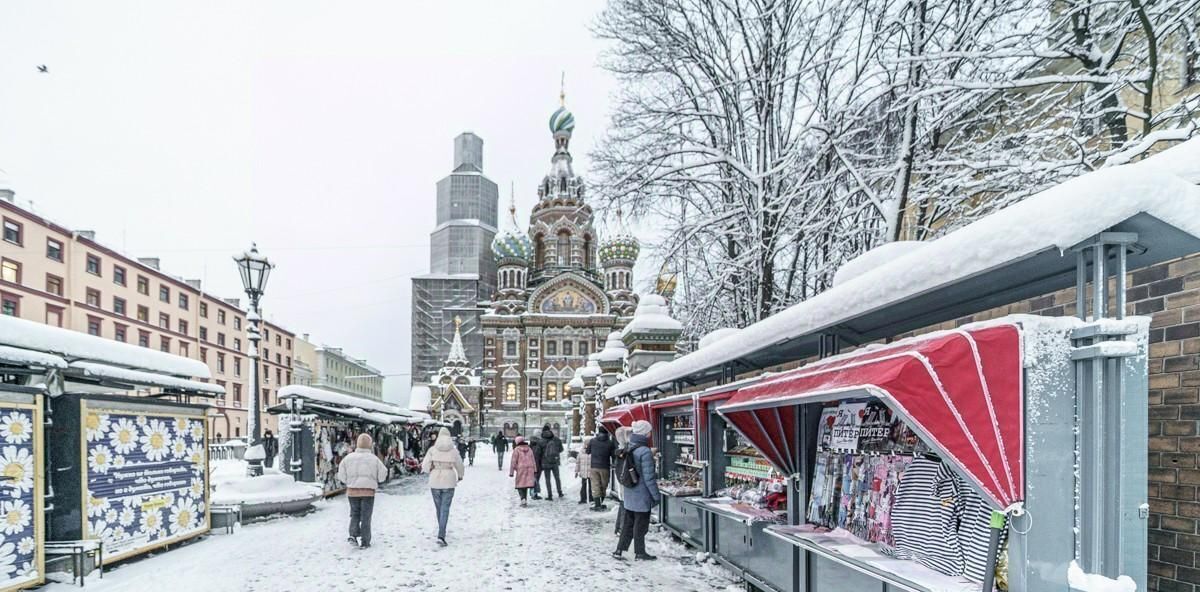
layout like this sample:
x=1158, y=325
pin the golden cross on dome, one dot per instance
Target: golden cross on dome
x=457, y=322
x=562, y=90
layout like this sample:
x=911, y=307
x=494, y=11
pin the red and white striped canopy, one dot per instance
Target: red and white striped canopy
x=960, y=390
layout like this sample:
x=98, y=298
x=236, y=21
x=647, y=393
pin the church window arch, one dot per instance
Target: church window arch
x=510, y=392
x=587, y=251
x=551, y=391
x=539, y=251
x=564, y=248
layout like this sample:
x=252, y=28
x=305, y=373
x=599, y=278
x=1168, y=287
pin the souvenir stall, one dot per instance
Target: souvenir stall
x=681, y=470
x=622, y=416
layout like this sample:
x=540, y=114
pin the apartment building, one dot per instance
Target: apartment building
x=66, y=278
x=332, y=369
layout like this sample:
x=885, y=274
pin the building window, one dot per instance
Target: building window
x=221, y=339
x=237, y=367
x=164, y=321
x=183, y=301
x=289, y=361
x=266, y=398
x=510, y=392
x=13, y=232
x=221, y=317
x=237, y=392
x=237, y=344
x=204, y=310
x=564, y=248
x=93, y=326
x=183, y=326
x=164, y=344
x=54, y=285
x=10, y=271
x=266, y=355
x=278, y=341
x=93, y=264
x=119, y=332
x=278, y=376
x=54, y=250
x=183, y=348
x=551, y=348
x=568, y=346
x=237, y=323
x=203, y=333
x=204, y=355
x=144, y=338
x=118, y=275
x=93, y=297
x=10, y=305
x=220, y=362
x=54, y=315
x=143, y=285
x=289, y=345
x=278, y=359
x=551, y=391
x=583, y=349
x=266, y=335
x=164, y=294
x=143, y=313
x=119, y=305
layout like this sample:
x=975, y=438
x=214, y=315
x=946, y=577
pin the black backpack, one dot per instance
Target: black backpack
x=627, y=471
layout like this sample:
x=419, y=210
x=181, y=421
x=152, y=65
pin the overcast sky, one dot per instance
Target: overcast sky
x=186, y=130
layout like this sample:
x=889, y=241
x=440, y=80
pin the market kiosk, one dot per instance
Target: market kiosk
x=1043, y=422
x=622, y=416
x=680, y=468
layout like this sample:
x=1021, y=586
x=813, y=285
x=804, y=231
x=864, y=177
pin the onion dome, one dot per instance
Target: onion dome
x=512, y=245
x=562, y=121
x=621, y=248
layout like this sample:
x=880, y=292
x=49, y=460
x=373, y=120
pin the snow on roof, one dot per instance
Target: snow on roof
x=876, y=257
x=713, y=336
x=1057, y=218
x=652, y=315
x=614, y=349
x=72, y=345
x=140, y=378
x=24, y=357
x=315, y=394
x=420, y=397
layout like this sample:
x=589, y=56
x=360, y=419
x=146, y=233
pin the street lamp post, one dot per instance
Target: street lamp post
x=254, y=269
x=295, y=425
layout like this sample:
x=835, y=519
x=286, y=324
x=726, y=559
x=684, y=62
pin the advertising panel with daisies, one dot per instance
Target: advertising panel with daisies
x=20, y=508
x=146, y=481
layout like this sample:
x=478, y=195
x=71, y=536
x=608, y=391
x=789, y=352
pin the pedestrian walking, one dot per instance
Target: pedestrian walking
x=535, y=444
x=362, y=472
x=601, y=450
x=639, y=497
x=522, y=468
x=270, y=448
x=445, y=467
x=500, y=446
x=552, y=449
x=583, y=465
x=471, y=452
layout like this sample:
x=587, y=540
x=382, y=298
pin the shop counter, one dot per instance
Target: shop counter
x=741, y=543
x=683, y=519
x=845, y=563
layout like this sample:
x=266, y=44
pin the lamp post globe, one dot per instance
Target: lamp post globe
x=254, y=269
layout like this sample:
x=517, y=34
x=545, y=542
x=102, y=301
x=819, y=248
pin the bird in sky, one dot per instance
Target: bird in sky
x=43, y=69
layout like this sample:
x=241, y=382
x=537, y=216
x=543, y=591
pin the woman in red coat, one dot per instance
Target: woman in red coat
x=523, y=467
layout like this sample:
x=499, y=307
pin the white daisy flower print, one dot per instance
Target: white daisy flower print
x=101, y=530
x=141, y=420
x=128, y=516
x=96, y=506
x=15, y=516
x=180, y=448
x=96, y=425
x=197, y=489
x=8, y=559
x=123, y=436
x=118, y=461
x=111, y=515
x=196, y=455
x=151, y=525
x=15, y=428
x=183, y=515
x=26, y=546
x=180, y=427
x=155, y=440
x=197, y=429
x=100, y=459
x=27, y=569
x=17, y=465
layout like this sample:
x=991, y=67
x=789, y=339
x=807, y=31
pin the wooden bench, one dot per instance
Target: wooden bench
x=78, y=552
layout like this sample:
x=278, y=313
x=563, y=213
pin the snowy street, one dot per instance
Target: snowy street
x=493, y=541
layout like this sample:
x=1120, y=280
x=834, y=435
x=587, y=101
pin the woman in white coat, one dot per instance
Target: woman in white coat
x=445, y=467
x=362, y=472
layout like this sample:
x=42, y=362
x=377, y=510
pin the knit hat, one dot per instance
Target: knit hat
x=642, y=427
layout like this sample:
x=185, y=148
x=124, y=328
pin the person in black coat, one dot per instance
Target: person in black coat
x=535, y=443
x=500, y=446
x=270, y=447
x=601, y=450
x=551, y=456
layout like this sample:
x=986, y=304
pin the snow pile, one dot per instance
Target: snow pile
x=614, y=349
x=231, y=486
x=419, y=398
x=72, y=345
x=140, y=378
x=309, y=393
x=1086, y=582
x=877, y=257
x=652, y=315
x=1053, y=220
x=23, y=357
x=716, y=335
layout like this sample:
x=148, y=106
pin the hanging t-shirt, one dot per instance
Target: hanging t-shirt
x=925, y=516
x=825, y=427
x=846, y=427
x=816, y=509
x=875, y=434
x=974, y=532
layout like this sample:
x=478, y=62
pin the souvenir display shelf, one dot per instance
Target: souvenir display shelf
x=682, y=472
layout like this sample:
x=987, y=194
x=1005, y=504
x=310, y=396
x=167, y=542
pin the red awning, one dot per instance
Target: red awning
x=960, y=390
x=624, y=416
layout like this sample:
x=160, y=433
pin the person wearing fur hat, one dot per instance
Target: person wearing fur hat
x=362, y=472
x=522, y=468
x=445, y=467
x=641, y=498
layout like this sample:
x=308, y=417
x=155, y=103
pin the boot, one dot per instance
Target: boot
x=617, y=555
x=644, y=557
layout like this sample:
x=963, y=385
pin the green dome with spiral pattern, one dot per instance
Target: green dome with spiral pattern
x=562, y=121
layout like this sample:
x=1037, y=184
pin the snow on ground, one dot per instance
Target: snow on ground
x=494, y=545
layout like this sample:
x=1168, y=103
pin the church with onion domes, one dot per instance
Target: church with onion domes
x=561, y=291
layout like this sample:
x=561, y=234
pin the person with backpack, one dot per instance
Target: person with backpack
x=600, y=450
x=621, y=435
x=635, y=471
x=552, y=449
x=499, y=446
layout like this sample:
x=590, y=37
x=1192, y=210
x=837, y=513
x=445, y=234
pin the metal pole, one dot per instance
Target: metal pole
x=294, y=428
x=253, y=334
